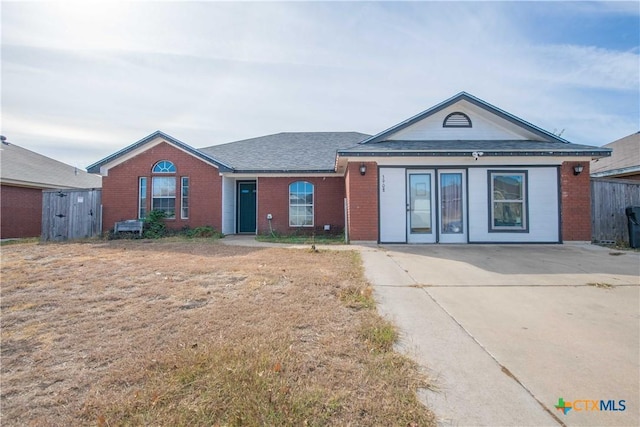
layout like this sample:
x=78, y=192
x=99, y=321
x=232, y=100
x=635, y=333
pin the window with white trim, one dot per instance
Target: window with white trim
x=301, y=204
x=142, y=197
x=164, y=166
x=164, y=195
x=184, y=196
x=508, y=200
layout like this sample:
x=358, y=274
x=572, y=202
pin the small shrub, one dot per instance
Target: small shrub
x=154, y=226
x=203, y=231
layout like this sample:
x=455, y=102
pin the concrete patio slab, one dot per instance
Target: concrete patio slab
x=506, y=330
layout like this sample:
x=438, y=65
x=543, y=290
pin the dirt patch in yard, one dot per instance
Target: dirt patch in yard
x=195, y=333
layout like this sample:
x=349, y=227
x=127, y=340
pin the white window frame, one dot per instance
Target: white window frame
x=302, y=205
x=142, y=196
x=184, y=197
x=154, y=197
x=164, y=166
x=524, y=224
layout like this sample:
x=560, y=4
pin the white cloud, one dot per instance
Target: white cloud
x=110, y=73
x=587, y=66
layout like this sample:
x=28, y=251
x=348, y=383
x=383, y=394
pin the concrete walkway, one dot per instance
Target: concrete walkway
x=504, y=331
x=250, y=240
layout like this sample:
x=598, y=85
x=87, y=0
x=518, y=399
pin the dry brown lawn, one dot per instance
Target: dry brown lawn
x=196, y=333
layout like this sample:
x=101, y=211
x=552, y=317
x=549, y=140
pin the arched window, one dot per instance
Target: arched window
x=163, y=189
x=164, y=166
x=301, y=204
x=457, y=120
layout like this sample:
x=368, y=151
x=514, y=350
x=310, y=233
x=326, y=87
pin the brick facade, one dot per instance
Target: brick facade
x=362, y=195
x=576, y=203
x=120, y=197
x=120, y=188
x=21, y=213
x=273, y=198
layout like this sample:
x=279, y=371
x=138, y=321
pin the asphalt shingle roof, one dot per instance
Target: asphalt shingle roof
x=20, y=166
x=625, y=158
x=286, y=151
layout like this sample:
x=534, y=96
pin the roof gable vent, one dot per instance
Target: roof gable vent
x=457, y=120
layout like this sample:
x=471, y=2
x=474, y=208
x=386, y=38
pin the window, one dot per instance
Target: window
x=164, y=166
x=301, y=204
x=142, y=199
x=184, y=193
x=164, y=195
x=508, y=201
x=457, y=120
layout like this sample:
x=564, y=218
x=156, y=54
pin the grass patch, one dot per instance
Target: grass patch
x=358, y=296
x=191, y=332
x=232, y=386
x=601, y=285
x=379, y=334
x=301, y=239
x=22, y=241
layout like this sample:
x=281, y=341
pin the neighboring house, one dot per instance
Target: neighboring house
x=624, y=161
x=615, y=186
x=23, y=176
x=462, y=171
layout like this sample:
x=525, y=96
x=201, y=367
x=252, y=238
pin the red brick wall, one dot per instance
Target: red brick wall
x=273, y=198
x=21, y=212
x=576, y=202
x=362, y=192
x=120, y=188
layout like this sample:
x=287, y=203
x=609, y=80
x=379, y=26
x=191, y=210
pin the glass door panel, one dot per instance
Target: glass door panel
x=420, y=212
x=420, y=203
x=452, y=206
x=451, y=203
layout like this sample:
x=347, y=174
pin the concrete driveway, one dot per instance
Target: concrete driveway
x=504, y=331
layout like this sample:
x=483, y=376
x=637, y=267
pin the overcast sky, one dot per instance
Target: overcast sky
x=81, y=80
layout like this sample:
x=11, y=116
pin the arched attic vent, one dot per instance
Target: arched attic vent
x=457, y=120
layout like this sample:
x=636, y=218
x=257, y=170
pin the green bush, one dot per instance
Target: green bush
x=202, y=231
x=154, y=226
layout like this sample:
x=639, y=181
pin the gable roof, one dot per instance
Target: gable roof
x=624, y=161
x=95, y=168
x=464, y=96
x=286, y=152
x=25, y=168
x=537, y=141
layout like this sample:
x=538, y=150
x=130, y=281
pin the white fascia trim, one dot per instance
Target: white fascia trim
x=466, y=161
x=104, y=169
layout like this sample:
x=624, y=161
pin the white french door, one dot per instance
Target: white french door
x=421, y=214
x=452, y=206
x=423, y=205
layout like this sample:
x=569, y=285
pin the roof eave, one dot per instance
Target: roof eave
x=614, y=172
x=281, y=171
x=95, y=168
x=467, y=153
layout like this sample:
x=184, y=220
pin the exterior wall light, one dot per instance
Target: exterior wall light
x=363, y=169
x=577, y=169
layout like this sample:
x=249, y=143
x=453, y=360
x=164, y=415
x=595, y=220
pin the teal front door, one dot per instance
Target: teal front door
x=246, y=207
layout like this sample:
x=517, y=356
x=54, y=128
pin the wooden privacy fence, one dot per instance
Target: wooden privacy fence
x=71, y=214
x=609, y=198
